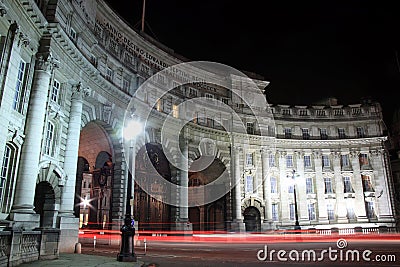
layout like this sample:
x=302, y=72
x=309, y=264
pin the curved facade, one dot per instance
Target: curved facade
x=70, y=71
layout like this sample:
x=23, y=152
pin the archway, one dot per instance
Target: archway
x=45, y=204
x=150, y=208
x=252, y=219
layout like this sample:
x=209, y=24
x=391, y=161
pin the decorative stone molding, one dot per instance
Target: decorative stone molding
x=3, y=9
x=78, y=92
x=23, y=39
x=46, y=62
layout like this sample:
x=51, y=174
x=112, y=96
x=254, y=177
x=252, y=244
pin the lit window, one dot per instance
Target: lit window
x=366, y=182
x=175, y=111
x=363, y=159
x=369, y=205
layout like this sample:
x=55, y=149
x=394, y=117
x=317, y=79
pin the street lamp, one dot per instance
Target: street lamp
x=296, y=214
x=127, y=252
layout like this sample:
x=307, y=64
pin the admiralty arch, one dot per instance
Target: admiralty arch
x=212, y=155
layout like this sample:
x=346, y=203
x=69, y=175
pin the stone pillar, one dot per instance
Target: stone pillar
x=341, y=207
x=237, y=223
x=267, y=224
x=359, y=201
x=321, y=208
x=283, y=185
x=22, y=212
x=183, y=223
x=67, y=222
x=383, y=183
x=300, y=183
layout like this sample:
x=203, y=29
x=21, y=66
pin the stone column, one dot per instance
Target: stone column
x=66, y=221
x=237, y=224
x=341, y=207
x=22, y=212
x=383, y=183
x=321, y=208
x=359, y=201
x=266, y=179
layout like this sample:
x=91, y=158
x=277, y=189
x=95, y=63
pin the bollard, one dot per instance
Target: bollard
x=78, y=248
x=94, y=242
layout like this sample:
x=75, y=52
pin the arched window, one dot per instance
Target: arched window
x=7, y=177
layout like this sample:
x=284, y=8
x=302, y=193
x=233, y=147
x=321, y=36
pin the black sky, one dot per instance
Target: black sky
x=308, y=50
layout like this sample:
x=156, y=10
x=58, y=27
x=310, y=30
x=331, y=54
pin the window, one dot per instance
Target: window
x=291, y=188
x=271, y=160
x=225, y=100
x=175, y=111
x=109, y=74
x=345, y=161
x=369, y=205
x=325, y=161
x=360, y=132
x=320, y=113
x=249, y=159
x=7, y=175
x=347, y=185
x=126, y=85
x=366, y=182
x=286, y=111
x=72, y=33
x=306, y=133
x=271, y=130
x=289, y=161
x=292, y=211
x=350, y=213
x=20, y=87
x=363, y=159
x=311, y=211
x=303, y=112
x=328, y=185
x=331, y=212
x=55, y=91
x=309, y=185
x=275, y=212
x=159, y=105
x=341, y=133
x=192, y=92
x=48, y=145
x=249, y=184
x=274, y=185
x=167, y=105
x=209, y=95
x=250, y=127
x=288, y=133
x=323, y=133
x=307, y=161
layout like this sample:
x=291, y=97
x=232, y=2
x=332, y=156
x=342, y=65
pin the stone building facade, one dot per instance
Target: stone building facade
x=69, y=72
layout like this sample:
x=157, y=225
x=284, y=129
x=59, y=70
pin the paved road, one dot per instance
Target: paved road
x=330, y=253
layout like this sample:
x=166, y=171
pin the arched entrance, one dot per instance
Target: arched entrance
x=45, y=204
x=252, y=219
x=150, y=209
x=212, y=215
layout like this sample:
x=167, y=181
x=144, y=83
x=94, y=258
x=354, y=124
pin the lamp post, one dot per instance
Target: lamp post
x=296, y=214
x=127, y=252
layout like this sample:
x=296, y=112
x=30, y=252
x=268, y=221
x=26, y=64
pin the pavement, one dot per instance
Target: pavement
x=74, y=260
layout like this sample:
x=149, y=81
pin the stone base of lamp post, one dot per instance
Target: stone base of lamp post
x=127, y=253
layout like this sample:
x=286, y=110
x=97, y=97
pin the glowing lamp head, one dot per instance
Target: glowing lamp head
x=132, y=129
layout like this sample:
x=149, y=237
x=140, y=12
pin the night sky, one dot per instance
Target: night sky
x=307, y=50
